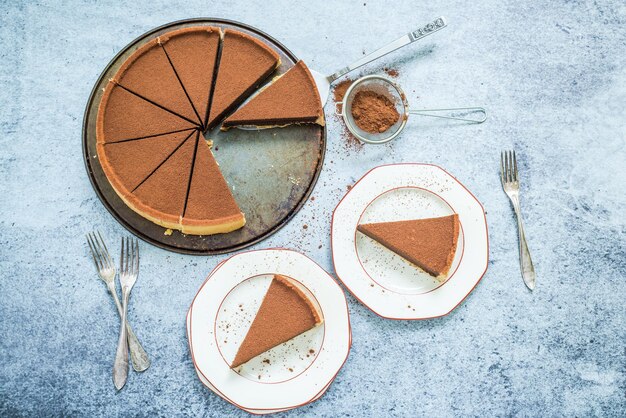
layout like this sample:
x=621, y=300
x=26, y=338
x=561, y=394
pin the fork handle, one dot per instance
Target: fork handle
x=526, y=262
x=120, y=367
x=138, y=355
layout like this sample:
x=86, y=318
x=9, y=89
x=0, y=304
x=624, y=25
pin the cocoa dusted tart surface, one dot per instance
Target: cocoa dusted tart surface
x=211, y=207
x=428, y=243
x=153, y=111
x=149, y=74
x=193, y=54
x=291, y=98
x=245, y=62
x=161, y=196
x=285, y=313
x=128, y=163
x=123, y=115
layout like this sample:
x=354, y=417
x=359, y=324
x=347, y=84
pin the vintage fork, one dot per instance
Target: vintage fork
x=510, y=184
x=106, y=271
x=129, y=269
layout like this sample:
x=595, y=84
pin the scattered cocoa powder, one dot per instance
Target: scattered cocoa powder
x=392, y=72
x=374, y=112
x=339, y=92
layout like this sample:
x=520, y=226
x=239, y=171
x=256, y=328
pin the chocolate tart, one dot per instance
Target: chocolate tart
x=154, y=110
x=428, y=243
x=149, y=74
x=285, y=313
x=193, y=53
x=291, y=98
x=244, y=63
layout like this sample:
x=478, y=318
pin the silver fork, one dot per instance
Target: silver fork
x=510, y=184
x=129, y=269
x=106, y=271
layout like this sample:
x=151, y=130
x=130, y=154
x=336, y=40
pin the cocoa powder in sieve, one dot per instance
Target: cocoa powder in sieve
x=373, y=112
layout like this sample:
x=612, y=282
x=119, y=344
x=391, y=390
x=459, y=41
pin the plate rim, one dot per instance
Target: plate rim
x=332, y=246
x=326, y=386
x=99, y=193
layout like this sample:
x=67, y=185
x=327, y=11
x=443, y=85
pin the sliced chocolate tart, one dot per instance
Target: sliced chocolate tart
x=291, y=98
x=428, y=243
x=123, y=115
x=149, y=74
x=193, y=54
x=244, y=63
x=128, y=163
x=285, y=313
x=161, y=197
x=210, y=207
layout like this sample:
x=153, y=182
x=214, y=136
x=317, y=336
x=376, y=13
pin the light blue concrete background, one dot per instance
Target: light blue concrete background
x=552, y=76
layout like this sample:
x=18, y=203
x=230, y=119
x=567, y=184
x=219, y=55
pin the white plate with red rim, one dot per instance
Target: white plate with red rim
x=208, y=384
x=288, y=376
x=383, y=281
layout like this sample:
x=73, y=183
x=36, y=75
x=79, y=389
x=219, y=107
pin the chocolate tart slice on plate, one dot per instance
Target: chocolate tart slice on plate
x=429, y=243
x=285, y=313
x=291, y=98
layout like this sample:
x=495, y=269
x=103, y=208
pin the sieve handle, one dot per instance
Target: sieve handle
x=410, y=37
x=433, y=113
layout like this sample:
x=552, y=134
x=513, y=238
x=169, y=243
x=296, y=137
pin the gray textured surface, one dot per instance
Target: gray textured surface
x=552, y=76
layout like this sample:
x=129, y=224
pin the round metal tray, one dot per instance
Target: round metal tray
x=271, y=172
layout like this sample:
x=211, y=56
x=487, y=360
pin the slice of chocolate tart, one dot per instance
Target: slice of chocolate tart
x=285, y=313
x=210, y=208
x=161, y=197
x=128, y=163
x=290, y=99
x=193, y=53
x=149, y=74
x=244, y=63
x=123, y=115
x=428, y=243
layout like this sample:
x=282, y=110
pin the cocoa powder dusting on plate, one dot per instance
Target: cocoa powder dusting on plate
x=374, y=112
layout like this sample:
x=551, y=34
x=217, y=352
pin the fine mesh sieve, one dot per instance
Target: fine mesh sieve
x=387, y=88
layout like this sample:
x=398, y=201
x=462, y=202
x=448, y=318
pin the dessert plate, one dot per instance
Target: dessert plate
x=383, y=281
x=208, y=384
x=271, y=172
x=288, y=376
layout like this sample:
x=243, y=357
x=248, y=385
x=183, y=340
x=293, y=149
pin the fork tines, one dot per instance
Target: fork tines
x=508, y=167
x=129, y=257
x=99, y=250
